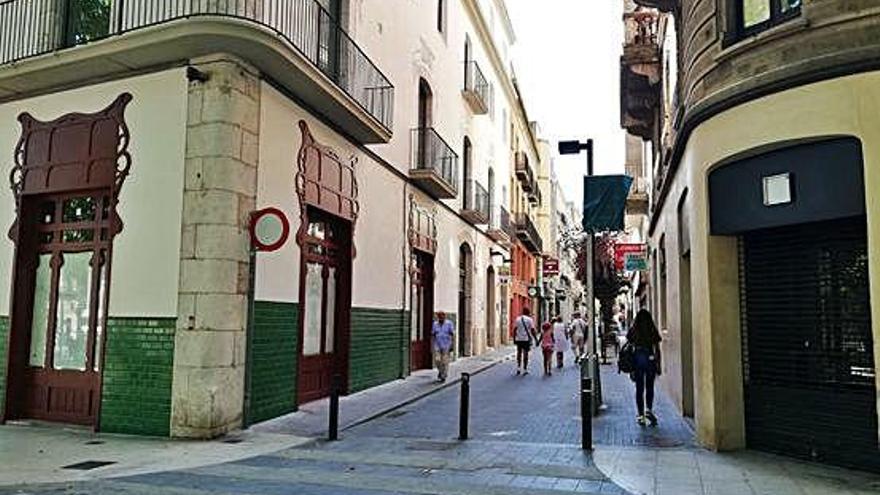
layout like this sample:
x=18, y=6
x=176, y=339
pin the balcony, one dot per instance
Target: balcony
x=50, y=44
x=475, y=203
x=640, y=73
x=637, y=200
x=524, y=171
x=476, y=88
x=500, y=228
x=528, y=234
x=434, y=164
x=534, y=194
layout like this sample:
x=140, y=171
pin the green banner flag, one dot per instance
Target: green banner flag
x=605, y=202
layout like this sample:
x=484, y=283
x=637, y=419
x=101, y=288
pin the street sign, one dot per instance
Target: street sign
x=269, y=229
x=551, y=266
x=630, y=257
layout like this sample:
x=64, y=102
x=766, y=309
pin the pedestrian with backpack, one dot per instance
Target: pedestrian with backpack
x=523, y=333
x=644, y=340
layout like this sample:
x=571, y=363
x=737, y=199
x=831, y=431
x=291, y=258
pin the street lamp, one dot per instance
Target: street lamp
x=574, y=148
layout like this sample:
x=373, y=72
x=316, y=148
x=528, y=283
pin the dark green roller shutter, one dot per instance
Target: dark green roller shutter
x=808, y=361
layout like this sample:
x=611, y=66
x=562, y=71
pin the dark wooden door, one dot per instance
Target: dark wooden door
x=63, y=274
x=422, y=312
x=325, y=293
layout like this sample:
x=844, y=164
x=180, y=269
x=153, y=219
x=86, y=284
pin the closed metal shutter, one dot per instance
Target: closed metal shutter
x=808, y=360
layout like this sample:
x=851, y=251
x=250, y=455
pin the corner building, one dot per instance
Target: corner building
x=764, y=217
x=138, y=153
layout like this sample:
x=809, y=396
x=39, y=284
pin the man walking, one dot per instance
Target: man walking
x=442, y=332
x=523, y=333
x=578, y=330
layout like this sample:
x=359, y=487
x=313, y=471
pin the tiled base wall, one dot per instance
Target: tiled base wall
x=136, y=395
x=273, y=360
x=378, y=340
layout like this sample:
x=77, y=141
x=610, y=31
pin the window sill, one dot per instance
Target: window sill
x=771, y=34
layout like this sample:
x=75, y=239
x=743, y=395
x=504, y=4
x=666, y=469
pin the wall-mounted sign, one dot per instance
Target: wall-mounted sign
x=777, y=189
x=551, y=266
x=630, y=257
x=269, y=229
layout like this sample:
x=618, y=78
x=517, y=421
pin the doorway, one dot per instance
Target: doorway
x=465, y=283
x=491, y=321
x=808, y=360
x=325, y=295
x=685, y=307
x=62, y=273
x=421, y=311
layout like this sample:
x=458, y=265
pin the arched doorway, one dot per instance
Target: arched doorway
x=465, y=284
x=491, y=322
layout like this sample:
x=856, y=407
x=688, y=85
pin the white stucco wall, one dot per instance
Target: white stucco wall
x=379, y=234
x=146, y=253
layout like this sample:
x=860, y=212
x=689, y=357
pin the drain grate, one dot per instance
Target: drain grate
x=95, y=442
x=87, y=465
x=232, y=440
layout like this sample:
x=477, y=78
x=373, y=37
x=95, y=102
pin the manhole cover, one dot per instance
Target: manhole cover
x=86, y=465
x=396, y=414
x=433, y=446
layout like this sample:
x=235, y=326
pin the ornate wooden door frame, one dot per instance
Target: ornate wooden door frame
x=75, y=154
x=326, y=183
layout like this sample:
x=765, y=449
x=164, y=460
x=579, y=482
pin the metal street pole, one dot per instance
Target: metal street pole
x=591, y=253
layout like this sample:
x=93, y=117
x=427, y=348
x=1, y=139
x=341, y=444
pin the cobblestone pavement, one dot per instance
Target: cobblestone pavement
x=525, y=435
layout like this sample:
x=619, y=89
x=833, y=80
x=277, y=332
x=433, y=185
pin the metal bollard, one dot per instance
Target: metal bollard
x=333, y=428
x=465, y=405
x=586, y=413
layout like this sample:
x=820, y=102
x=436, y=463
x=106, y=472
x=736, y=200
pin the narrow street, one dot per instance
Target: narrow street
x=525, y=434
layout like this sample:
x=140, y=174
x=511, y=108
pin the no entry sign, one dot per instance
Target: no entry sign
x=269, y=229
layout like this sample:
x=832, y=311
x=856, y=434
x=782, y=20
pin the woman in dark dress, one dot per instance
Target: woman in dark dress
x=644, y=336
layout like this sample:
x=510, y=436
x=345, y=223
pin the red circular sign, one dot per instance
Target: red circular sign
x=269, y=229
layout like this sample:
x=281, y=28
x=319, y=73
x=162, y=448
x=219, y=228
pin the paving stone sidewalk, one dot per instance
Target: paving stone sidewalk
x=668, y=459
x=525, y=435
x=311, y=419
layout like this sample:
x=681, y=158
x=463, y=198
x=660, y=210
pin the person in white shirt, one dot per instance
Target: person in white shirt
x=578, y=331
x=523, y=335
x=560, y=340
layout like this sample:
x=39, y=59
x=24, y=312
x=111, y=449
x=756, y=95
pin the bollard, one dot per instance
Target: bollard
x=586, y=413
x=464, y=406
x=333, y=428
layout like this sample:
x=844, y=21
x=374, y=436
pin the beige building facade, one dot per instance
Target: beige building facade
x=763, y=219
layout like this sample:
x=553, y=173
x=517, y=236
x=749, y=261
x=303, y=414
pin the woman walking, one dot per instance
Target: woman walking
x=560, y=338
x=547, y=346
x=646, y=339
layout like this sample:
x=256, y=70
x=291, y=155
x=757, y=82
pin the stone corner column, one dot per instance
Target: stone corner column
x=222, y=146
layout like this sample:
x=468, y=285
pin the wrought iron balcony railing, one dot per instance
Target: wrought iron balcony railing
x=476, y=89
x=434, y=163
x=475, y=202
x=29, y=28
x=528, y=233
x=500, y=228
x=524, y=171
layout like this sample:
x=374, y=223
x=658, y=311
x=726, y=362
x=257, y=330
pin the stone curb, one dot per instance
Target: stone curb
x=421, y=396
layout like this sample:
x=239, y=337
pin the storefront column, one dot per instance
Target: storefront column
x=222, y=146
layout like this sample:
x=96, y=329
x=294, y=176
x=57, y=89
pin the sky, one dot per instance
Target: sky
x=567, y=63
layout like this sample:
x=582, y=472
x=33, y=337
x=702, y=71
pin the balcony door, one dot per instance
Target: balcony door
x=467, y=187
x=86, y=20
x=426, y=99
x=325, y=304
